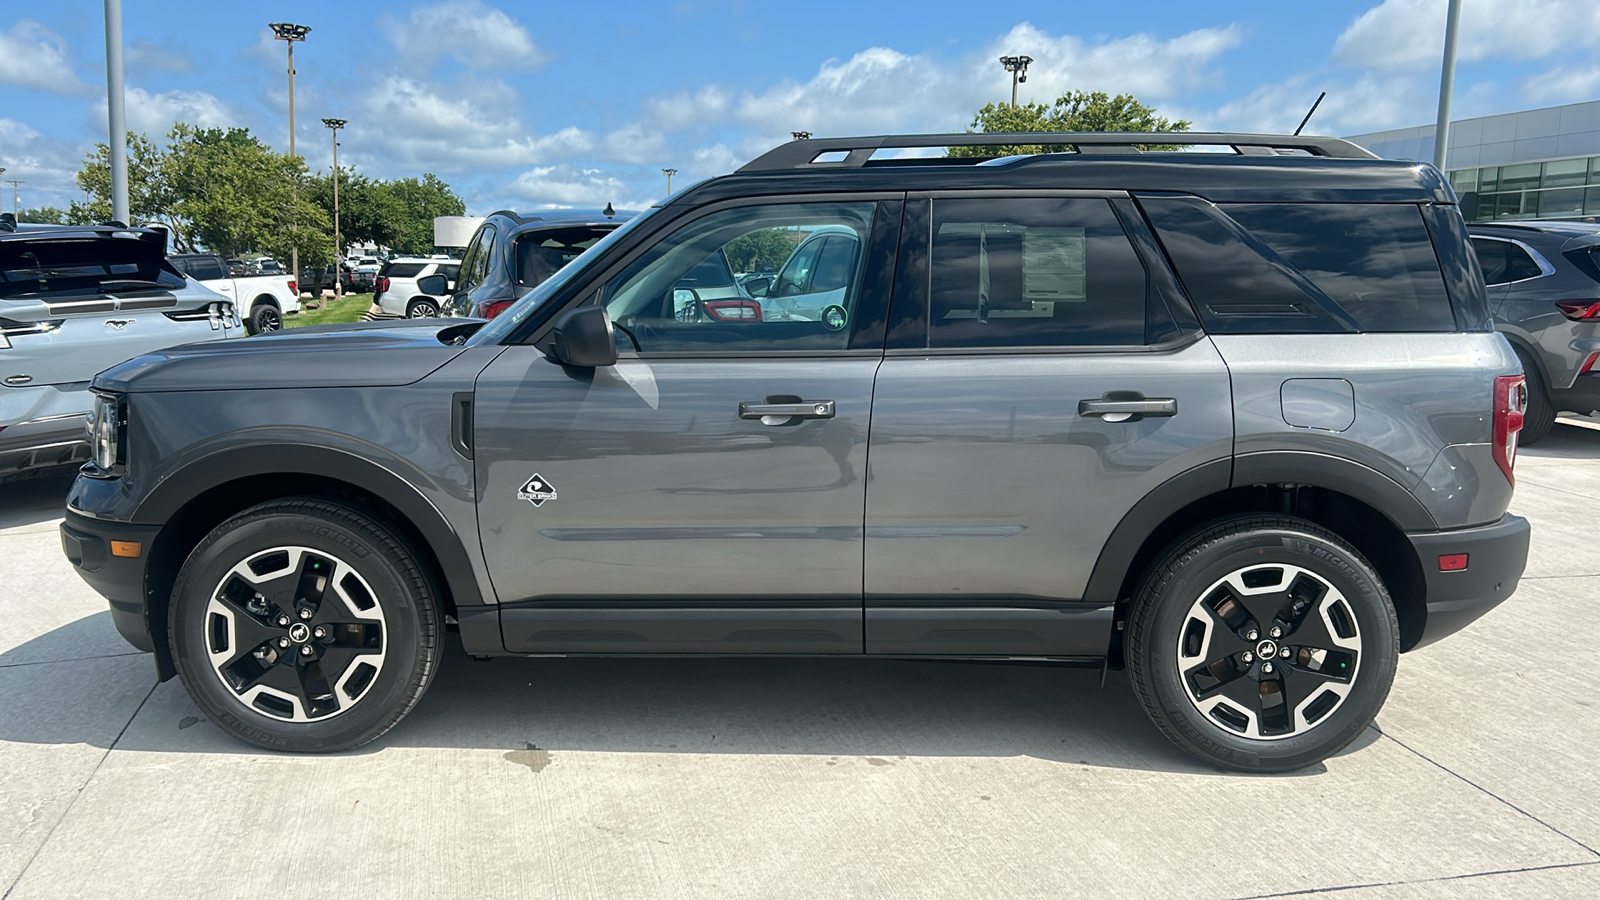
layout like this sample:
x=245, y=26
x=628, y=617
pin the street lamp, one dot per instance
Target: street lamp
x=338, y=245
x=1018, y=67
x=669, y=173
x=800, y=135
x=289, y=33
x=13, y=182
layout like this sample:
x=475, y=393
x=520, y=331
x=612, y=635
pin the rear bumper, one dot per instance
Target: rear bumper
x=1496, y=557
x=87, y=545
x=1582, y=398
x=44, y=443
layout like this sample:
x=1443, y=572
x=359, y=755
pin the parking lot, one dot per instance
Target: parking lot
x=772, y=778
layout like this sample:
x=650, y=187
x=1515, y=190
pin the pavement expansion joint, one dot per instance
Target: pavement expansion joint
x=74, y=802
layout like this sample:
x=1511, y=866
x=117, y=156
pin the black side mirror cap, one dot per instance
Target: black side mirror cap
x=583, y=338
x=433, y=284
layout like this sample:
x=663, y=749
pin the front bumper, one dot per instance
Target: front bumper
x=87, y=544
x=1496, y=556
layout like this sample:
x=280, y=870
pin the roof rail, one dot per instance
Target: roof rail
x=802, y=154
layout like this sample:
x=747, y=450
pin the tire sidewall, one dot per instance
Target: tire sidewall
x=406, y=621
x=411, y=311
x=1347, y=572
x=264, y=319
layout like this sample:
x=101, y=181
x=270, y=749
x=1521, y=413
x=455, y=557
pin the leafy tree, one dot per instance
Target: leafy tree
x=1072, y=111
x=760, y=251
x=150, y=196
x=44, y=215
x=421, y=200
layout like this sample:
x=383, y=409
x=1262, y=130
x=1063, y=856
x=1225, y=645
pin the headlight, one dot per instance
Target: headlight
x=107, y=435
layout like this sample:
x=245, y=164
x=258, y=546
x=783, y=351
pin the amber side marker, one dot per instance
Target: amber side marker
x=126, y=549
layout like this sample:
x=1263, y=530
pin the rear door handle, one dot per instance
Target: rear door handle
x=812, y=409
x=1123, y=410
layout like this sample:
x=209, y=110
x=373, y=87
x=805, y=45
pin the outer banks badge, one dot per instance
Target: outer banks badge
x=536, y=490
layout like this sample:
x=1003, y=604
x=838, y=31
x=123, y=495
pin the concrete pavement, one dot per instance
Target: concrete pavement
x=778, y=778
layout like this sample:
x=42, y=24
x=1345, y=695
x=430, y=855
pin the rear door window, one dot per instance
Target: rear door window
x=402, y=270
x=1040, y=272
x=1375, y=261
x=1504, y=262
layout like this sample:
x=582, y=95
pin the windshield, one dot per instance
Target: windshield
x=506, y=322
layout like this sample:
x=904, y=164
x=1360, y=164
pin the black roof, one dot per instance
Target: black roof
x=562, y=217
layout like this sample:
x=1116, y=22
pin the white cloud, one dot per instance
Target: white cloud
x=684, y=110
x=569, y=186
x=33, y=56
x=1369, y=103
x=1563, y=85
x=469, y=30
x=46, y=167
x=410, y=123
x=166, y=56
x=1400, y=34
x=154, y=114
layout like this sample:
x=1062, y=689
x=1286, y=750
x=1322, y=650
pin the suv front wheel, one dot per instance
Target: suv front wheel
x=1262, y=643
x=305, y=625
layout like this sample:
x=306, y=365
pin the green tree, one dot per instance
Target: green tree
x=150, y=195
x=44, y=215
x=421, y=200
x=760, y=251
x=1072, y=111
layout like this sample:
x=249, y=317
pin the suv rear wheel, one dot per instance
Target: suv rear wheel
x=1540, y=415
x=1262, y=643
x=422, y=308
x=304, y=625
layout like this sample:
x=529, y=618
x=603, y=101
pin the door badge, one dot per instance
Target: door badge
x=536, y=490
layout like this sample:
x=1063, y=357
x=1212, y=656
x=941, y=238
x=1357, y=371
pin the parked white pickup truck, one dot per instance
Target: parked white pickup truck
x=261, y=300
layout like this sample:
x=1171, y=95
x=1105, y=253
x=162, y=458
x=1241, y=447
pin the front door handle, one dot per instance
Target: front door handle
x=778, y=413
x=1124, y=410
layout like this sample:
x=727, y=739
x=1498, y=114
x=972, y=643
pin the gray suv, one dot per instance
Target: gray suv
x=1544, y=289
x=1236, y=421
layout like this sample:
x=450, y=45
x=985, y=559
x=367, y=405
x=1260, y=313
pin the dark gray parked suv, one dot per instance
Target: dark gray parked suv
x=1544, y=288
x=1238, y=422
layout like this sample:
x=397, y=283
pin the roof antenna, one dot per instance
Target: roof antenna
x=608, y=212
x=1310, y=111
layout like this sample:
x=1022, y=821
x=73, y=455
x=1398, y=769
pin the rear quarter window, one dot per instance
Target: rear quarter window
x=402, y=270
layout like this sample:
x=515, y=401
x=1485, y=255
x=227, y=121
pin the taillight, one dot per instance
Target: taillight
x=1510, y=402
x=294, y=289
x=494, y=308
x=733, y=310
x=1580, y=310
x=382, y=285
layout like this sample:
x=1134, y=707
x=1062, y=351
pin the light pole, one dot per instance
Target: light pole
x=14, y=210
x=289, y=33
x=1447, y=85
x=1018, y=67
x=669, y=173
x=117, y=149
x=338, y=245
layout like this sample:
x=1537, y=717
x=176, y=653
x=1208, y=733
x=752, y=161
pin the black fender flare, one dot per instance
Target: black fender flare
x=219, y=468
x=1371, y=487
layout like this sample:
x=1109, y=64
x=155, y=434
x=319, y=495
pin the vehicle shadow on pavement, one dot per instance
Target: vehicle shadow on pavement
x=875, y=708
x=31, y=501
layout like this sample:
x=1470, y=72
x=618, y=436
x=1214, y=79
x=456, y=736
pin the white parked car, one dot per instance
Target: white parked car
x=396, y=293
x=261, y=300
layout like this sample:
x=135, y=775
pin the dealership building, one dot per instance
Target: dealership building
x=1537, y=164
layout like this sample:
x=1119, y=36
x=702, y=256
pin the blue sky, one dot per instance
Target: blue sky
x=545, y=104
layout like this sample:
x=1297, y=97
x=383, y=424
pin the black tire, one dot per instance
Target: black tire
x=1163, y=622
x=1540, y=415
x=386, y=569
x=264, y=317
x=422, y=308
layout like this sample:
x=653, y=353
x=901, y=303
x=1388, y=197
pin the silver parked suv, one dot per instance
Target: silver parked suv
x=1238, y=422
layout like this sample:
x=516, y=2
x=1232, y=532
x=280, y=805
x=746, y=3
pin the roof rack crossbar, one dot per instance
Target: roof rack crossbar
x=802, y=154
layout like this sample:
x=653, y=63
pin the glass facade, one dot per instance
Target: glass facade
x=1561, y=189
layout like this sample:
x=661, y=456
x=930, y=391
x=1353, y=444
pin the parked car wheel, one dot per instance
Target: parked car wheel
x=264, y=317
x=422, y=308
x=1262, y=643
x=305, y=625
x=1540, y=415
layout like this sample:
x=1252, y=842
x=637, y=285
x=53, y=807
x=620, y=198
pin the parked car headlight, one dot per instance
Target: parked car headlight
x=107, y=435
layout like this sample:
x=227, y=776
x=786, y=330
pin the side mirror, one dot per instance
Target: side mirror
x=583, y=338
x=758, y=287
x=686, y=305
x=433, y=284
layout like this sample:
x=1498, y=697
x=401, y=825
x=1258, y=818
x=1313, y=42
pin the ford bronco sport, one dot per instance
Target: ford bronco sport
x=1236, y=421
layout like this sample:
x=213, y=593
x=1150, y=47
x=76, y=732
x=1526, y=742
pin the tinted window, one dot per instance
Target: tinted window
x=1040, y=272
x=402, y=270
x=475, y=262
x=450, y=272
x=835, y=263
x=83, y=266
x=713, y=272
x=796, y=275
x=1375, y=261
x=543, y=253
x=657, y=302
x=1503, y=262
